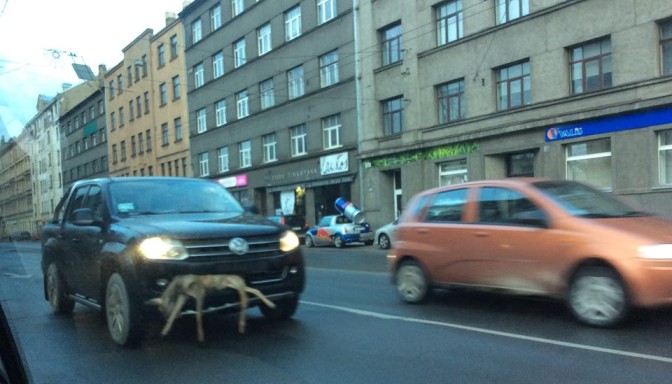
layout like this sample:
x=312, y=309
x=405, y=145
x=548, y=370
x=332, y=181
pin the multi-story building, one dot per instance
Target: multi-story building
x=272, y=101
x=146, y=111
x=470, y=89
x=84, y=135
x=44, y=150
x=16, y=205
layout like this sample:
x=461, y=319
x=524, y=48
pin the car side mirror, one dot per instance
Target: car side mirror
x=251, y=208
x=82, y=216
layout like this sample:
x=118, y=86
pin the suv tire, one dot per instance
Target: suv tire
x=121, y=313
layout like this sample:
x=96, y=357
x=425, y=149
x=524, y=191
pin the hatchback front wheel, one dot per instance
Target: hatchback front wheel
x=597, y=297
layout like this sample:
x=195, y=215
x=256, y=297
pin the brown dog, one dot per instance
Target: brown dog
x=197, y=286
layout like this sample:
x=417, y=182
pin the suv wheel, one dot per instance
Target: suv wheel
x=411, y=282
x=56, y=292
x=338, y=242
x=597, y=297
x=284, y=309
x=122, y=315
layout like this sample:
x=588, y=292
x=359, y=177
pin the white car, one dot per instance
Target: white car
x=384, y=235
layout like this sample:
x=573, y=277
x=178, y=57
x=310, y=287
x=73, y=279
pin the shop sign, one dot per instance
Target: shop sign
x=233, y=181
x=334, y=164
x=610, y=124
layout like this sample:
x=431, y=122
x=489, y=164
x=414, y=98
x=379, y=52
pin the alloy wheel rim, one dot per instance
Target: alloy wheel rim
x=598, y=299
x=410, y=283
x=115, y=310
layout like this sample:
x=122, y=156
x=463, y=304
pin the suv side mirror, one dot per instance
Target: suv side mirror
x=82, y=216
x=251, y=208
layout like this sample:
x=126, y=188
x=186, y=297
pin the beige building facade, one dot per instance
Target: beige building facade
x=462, y=90
x=147, y=108
x=16, y=207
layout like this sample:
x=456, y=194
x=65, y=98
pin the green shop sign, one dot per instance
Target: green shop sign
x=425, y=154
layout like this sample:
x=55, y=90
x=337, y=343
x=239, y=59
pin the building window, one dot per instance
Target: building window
x=239, y=53
x=196, y=31
x=264, y=39
x=161, y=55
x=146, y=102
x=163, y=92
x=201, y=121
x=666, y=46
x=111, y=87
x=131, y=111
x=113, y=121
x=176, y=88
x=138, y=102
x=449, y=22
x=298, y=140
x=220, y=112
x=391, y=44
x=665, y=156
x=451, y=101
x=114, y=154
x=173, y=47
x=453, y=172
x=293, y=23
x=122, y=118
x=223, y=159
x=326, y=10
x=590, y=66
x=245, y=149
x=331, y=127
x=295, y=82
x=520, y=164
x=237, y=7
x=218, y=65
x=199, y=79
x=329, y=69
x=203, y=165
x=216, y=17
x=165, y=135
x=144, y=65
x=129, y=76
x=270, y=143
x=120, y=84
x=508, y=10
x=590, y=162
x=123, y=150
x=242, y=106
x=267, y=94
x=393, y=116
x=514, y=86
x=141, y=143
x=148, y=136
x=178, y=129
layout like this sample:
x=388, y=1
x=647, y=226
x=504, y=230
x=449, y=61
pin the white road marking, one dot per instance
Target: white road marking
x=17, y=276
x=491, y=332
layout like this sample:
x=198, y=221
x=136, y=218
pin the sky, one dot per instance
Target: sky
x=42, y=39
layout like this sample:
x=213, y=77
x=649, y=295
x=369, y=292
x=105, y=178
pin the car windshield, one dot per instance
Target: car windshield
x=581, y=200
x=151, y=197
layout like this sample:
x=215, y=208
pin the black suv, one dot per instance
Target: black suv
x=115, y=243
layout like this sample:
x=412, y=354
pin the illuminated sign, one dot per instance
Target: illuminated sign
x=610, y=124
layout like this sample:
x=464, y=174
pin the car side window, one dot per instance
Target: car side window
x=447, y=206
x=507, y=207
x=324, y=222
x=94, y=201
x=77, y=200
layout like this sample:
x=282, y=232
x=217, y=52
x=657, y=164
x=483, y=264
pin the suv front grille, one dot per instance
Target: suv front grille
x=212, y=249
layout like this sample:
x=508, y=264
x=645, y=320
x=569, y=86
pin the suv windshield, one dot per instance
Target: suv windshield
x=582, y=200
x=171, y=196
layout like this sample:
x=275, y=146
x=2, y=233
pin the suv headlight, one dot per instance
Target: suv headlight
x=160, y=248
x=656, y=251
x=289, y=241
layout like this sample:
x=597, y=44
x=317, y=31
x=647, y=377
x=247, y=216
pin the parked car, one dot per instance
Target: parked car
x=560, y=239
x=384, y=235
x=116, y=243
x=338, y=230
x=296, y=223
x=20, y=236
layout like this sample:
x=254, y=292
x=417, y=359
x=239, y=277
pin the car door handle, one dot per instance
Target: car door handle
x=481, y=234
x=422, y=230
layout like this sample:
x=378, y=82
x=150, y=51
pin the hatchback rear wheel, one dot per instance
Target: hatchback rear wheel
x=597, y=297
x=411, y=282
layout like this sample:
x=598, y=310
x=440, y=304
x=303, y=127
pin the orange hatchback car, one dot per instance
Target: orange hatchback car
x=560, y=239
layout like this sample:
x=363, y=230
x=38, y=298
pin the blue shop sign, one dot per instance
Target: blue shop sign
x=610, y=124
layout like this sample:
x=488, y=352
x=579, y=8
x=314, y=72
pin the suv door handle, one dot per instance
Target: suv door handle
x=481, y=234
x=422, y=230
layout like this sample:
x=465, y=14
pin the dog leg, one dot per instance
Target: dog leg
x=179, y=303
x=199, y=316
x=243, y=309
x=260, y=295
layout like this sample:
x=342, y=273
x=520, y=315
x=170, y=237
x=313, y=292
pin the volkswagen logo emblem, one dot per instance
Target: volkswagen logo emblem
x=238, y=246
